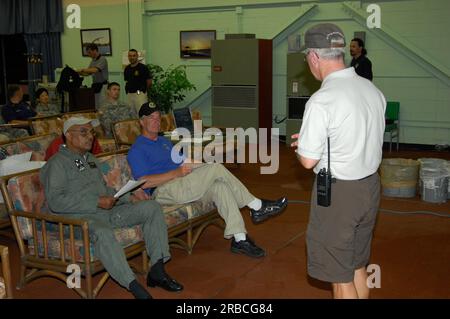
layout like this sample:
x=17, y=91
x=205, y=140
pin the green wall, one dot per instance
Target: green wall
x=414, y=39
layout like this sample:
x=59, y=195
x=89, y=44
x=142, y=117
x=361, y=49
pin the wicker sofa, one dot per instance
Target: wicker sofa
x=48, y=242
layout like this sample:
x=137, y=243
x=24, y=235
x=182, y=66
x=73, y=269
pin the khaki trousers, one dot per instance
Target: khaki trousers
x=100, y=97
x=210, y=183
x=136, y=100
x=147, y=213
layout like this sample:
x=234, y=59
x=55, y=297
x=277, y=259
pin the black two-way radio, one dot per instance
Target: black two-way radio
x=324, y=180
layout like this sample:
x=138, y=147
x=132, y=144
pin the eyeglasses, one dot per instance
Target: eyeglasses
x=84, y=133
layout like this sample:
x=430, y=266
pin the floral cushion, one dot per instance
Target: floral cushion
x=167, y=123
x=36, y=144
x=126, y=132
x=8, y=134
x=88, y=115
x=125, y=236
x=48, y=125
x=27, y=194
x=115, y=170
x=107, y=144
x=174, y=215
x=16, y=148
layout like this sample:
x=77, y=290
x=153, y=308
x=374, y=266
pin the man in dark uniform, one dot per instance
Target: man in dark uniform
x=360, y=62
x=138, y=80
x=74, y=186
x=16, y=108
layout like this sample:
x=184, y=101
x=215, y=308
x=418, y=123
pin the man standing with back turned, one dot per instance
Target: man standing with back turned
x=347, y=115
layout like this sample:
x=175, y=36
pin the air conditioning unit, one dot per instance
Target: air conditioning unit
x=241, y=78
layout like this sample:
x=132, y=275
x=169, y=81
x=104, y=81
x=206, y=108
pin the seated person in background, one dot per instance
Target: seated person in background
x=74, y=186
x=171, y=183
x=43, y=108
x=16, y=108
x=113, y=110
x=54, y=146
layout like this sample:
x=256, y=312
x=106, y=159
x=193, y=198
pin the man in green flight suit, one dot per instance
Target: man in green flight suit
x=74, y=186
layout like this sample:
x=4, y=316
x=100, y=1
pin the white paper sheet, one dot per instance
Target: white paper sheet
x=24, y=157
x=130, y=185
x=18, y=163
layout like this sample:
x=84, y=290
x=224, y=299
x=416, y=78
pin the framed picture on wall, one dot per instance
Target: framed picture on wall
x=196, y=44
x=101, y=37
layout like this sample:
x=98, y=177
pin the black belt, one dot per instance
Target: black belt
x=136, y=91
x=361, y=179
x=353, y=180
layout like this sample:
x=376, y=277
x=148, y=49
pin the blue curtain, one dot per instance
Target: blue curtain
x=49, y=46
x=31, y=16
x=41, y=22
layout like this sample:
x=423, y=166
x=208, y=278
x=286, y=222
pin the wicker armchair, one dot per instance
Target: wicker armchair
x=5, y=281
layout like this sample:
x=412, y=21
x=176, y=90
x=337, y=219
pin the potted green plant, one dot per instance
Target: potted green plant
x=169, y=86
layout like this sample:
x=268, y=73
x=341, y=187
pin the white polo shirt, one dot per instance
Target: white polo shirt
x=350, y=110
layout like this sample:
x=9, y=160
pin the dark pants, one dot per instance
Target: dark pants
x=147, y=213
x=339, y=237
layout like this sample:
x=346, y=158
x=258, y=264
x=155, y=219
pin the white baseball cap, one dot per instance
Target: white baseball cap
x=79, y=120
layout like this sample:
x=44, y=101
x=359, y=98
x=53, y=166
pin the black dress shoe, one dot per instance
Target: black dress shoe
x=247, y=247
x=268, y=209
x=165, y=282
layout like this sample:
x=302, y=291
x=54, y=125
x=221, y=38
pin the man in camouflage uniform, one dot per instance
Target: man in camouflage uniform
x=113, y=110
x=74, y=186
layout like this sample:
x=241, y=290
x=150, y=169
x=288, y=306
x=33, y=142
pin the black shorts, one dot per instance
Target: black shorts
x=339, y=237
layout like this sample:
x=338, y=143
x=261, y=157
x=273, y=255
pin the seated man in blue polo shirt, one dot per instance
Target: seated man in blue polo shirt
x=172, y=183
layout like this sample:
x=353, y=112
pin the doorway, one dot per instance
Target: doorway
x=13, y=64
